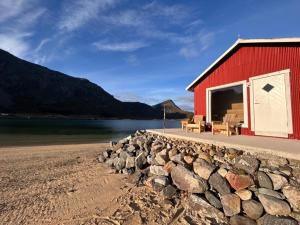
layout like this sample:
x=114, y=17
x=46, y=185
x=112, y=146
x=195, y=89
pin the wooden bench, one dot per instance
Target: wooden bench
x=197, y=124
x=229, y=125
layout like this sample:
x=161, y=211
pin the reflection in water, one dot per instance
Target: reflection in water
x=59, y=131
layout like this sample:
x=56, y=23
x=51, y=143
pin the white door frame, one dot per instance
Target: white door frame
x=245, y=100
x=286, y=73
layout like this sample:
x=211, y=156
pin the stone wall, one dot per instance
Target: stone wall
x=227, y=185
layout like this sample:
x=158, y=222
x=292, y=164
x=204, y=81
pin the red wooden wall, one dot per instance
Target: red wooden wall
x=254, y=60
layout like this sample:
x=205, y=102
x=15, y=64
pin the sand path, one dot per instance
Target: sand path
x=60, y=184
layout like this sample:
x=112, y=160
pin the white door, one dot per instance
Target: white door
x=270, y=105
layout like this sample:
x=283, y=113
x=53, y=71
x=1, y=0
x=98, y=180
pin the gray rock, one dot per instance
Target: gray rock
x=169, y=191
x=204, y=208
x=231, y=204
x=219, y=183
x=272, y=193
x=187, y=181
x=119, y=163
x=203, y=168
x=106, y=153
x=264, y=180
x=124, y=155
x=140, y=160
x=150, y=159
x=278, y=180
x=178, y=159
x=101, y=158
x=275, y=161
x=241, y=220
x=158, y=170
x=124, y=141
x=213, y=200
x=274, y=206
x=253, y=209
x=276, y=220
x=248, y=163
x=161, y=158
x=293, y=196
x=162, y=180
x=131, y=148
x=110, y=162
x=130, y=162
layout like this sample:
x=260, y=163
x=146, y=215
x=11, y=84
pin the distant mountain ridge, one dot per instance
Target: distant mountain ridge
x=172, y=110
x=28, y=88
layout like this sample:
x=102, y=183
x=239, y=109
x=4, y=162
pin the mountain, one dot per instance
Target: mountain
x=172, y=110
x=31, y=89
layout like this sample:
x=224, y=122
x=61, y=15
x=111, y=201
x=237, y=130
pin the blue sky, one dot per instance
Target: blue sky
x=139, y=50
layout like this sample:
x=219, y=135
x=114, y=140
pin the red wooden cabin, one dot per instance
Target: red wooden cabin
x=259, y=80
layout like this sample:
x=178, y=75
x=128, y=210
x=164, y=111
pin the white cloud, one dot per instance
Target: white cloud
x=175, y=12
x=120, y=47
x=189, y=52
x=82, y=11
x=125, y=18
x=16, y=44
x=11, y=8
x=196, y=44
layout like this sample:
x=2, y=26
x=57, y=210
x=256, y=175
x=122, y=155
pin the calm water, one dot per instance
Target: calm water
x=16, y=132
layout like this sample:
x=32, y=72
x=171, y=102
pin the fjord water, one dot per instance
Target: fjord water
x=48, y=131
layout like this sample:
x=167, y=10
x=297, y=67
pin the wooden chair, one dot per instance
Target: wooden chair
x=197, y=124
x=229, y=125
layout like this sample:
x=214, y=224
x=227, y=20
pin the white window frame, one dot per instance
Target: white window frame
x=245, y=100
x=286, y=73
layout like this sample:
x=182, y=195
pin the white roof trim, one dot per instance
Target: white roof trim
x=242, y=41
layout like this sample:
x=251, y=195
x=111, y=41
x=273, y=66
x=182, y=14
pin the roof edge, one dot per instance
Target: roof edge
x=235, y=44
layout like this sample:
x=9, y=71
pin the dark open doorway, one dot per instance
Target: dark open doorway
x=225, y=101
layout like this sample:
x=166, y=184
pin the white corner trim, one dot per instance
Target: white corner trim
x=286, y=73
x=236, y=43
x=245, y=100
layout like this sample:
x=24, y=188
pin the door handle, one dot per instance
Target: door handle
x=257, y=103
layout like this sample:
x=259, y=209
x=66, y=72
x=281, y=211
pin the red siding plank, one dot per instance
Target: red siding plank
x=249, y=61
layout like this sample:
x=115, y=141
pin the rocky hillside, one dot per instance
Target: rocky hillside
x=27, y=88
x=172, y=110
x=211, y=184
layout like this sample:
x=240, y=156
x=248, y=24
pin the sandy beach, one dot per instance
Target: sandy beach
x=59, y=184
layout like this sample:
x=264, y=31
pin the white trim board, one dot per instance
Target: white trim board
x=238, y=42
x=245, y=100
x=286, y=73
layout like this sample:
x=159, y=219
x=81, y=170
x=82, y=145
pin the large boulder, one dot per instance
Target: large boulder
x=158, y=170
x=203, y=168
x=276, y=220
x=278, y=180
x=231, y=204
x=293, y=196
x=185, y=180
x=244, y=194
x=161, y=157
x=272, y=193
x=253, y=209
x=140, y=160
x=247, y=163
x=204, y=208
x=237, y=181
x=264, y=180
x=241, y=220
x=119, y=163
x=274, y=206
x=219, y=183
x=130, y=162
x=213, y=200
